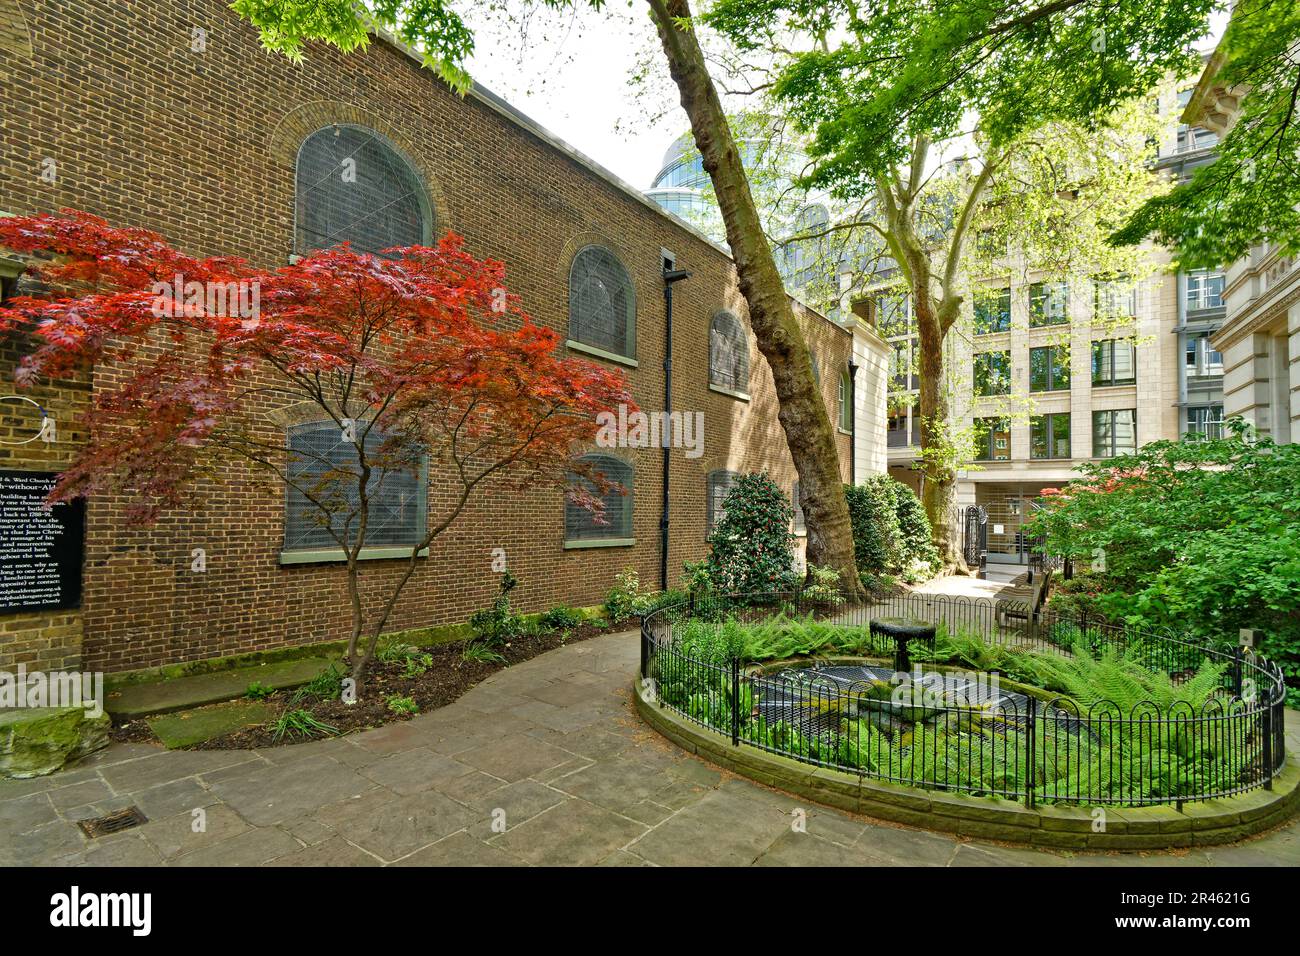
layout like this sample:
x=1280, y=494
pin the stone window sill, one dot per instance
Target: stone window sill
x=723, y=390
x=335, y=555
x=602, y=354
x=599, y=543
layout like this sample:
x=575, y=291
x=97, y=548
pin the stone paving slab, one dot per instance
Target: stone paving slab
x=188, y=727
x=545, y=763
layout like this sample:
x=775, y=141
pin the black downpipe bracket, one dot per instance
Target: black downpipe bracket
x=671, y=277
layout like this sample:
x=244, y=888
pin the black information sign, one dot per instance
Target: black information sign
x=41, y=548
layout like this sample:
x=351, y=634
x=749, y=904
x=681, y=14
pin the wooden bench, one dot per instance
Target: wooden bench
x=1009, y=611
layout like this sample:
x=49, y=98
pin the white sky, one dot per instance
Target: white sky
x=573, y=77
x=572, y=72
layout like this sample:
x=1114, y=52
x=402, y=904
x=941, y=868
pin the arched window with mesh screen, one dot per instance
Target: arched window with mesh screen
x=728, y=353
x=845, y=399
x=580, y=524
x=324, y=464
x=353, y=186
x=602, y=305
x=720, y=483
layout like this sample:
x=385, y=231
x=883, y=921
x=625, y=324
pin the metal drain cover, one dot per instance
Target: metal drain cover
x=115, y=822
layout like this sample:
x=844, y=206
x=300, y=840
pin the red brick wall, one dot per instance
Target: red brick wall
x=200, y=147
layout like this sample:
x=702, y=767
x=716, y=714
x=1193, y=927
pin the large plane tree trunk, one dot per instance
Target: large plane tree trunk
x=939, y=487
x=934, y=317
x=802, y=411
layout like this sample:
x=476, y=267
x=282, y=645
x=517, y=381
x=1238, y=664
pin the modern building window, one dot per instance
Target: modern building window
x=602, y=303
x=799, y=526
x=1200, y=357
x=1114, y=362
x=1114, y=299
x=1049, y=436
x=720, y=483
x=901, y=429
x=582, y=525
x=1203, y=289
x=1206, y=421
x=1192, y=137
x=993, y=437
x=1048, y=303
x=1114, y=433
x=354, y=186
x=904, y=365
x=993, y=311
x=804, y=261
x=323, y=464
x=1049, y=368
x=993, y=373
x=728, y=353
x=846, y=402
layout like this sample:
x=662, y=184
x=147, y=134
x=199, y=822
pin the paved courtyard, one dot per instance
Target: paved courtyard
x=544, y=763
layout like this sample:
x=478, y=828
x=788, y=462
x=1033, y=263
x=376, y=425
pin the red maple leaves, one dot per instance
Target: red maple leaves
x=423, y=343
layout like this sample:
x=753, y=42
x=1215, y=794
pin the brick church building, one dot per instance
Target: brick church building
x=129, y=112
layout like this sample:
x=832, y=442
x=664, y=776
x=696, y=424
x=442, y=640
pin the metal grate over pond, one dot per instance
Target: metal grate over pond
x=813, y=700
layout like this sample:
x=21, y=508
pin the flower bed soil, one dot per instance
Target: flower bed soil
x=447, y=678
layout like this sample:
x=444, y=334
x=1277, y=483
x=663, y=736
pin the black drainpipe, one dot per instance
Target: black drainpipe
x=671, y=276
x=853, y=423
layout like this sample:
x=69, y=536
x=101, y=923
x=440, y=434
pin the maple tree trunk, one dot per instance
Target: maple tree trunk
x=802, y=410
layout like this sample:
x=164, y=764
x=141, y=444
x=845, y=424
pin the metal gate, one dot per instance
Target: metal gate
x=975, y=535
x=1007, y=543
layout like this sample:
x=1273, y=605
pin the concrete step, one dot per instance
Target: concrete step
x=184, y=693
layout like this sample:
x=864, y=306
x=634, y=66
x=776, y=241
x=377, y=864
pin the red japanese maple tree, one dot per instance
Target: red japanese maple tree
x=419, y=357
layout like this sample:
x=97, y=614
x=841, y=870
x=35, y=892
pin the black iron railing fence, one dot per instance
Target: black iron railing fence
x=1216, y=730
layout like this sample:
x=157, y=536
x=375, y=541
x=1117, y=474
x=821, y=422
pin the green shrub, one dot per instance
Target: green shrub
x=1079, y=597
x=877, y=539
x=919, y=556
x=891, y=534
x=494, y=626
x=879, y=586
x=1201, y=536
x=562, y=618
x=622, y=600
x=775, y=638
x=751, y=546
x=695, y=577
x=824, y=587
x=661, y=599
